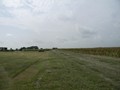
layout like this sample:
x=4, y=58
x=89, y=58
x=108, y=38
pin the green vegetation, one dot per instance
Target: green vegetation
x=114, y=52
x=58, y=70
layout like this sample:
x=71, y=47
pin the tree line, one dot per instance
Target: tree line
x=31, y=48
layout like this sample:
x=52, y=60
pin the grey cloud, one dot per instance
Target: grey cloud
x=65, y=18
x=62, y=40
x=67, y=23
x=88, y=34
x=4, y=12
x=2, y=42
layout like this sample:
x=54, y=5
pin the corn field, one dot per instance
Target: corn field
x=113, y=52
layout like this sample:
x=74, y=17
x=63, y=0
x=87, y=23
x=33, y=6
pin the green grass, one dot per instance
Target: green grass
x=58, y=70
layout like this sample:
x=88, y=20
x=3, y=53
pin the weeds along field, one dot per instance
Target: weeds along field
x=58, y=70
x=113, y=52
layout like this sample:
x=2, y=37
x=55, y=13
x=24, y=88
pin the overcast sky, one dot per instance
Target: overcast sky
x=60, y=23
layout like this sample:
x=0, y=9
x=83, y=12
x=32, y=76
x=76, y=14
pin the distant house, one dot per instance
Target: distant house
x=3, y=48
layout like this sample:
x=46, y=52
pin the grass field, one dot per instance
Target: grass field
x=58, y=70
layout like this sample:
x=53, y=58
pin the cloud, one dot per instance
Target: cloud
x=72, y=23
x=88, y=34
x=40, y=5
x=12, y=3
x=1, y=43
x=26, y=13
x=9, y=35
x=34, y=5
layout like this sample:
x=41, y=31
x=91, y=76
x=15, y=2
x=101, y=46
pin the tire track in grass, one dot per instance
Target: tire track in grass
x=5, y=80
x=27, y=79
x=29, y=71
x=24, y=68
x=88, y=77
x=91, y=60
x=94, y=65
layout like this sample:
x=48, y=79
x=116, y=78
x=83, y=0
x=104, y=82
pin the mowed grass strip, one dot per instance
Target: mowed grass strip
x=107, y=68
x=5, y=81
x=60, y=70
x=20, y=66
x=16, y=62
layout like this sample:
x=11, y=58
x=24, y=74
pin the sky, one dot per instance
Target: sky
x=60, y=23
